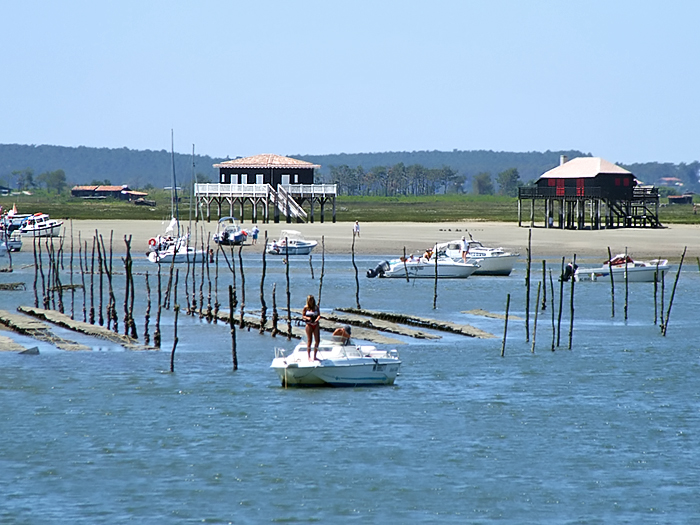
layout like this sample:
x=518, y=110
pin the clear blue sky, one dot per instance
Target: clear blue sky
x=614, y=78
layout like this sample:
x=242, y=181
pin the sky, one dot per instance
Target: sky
x=617, y=79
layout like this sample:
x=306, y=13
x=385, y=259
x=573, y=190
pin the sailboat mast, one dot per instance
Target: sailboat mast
x=174, y=205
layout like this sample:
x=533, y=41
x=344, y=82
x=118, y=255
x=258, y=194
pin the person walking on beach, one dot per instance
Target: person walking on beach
x=465, y=249
x=356, y=229
x=311, y=315
x=255, y=232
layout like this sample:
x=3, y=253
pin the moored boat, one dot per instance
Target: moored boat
x=180, y=254
x=337, y=364
x=290, y=242
x=637, y=271
x=423, y=268
x=492, y=261
x=40, y=225
x=229, y=232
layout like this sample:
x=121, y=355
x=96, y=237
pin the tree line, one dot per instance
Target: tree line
x=414, y=180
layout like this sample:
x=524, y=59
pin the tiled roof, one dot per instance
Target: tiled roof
x=267, y=160
x=99, y=188
x=584, y=167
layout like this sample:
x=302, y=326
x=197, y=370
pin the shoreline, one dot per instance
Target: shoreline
x=390, y=238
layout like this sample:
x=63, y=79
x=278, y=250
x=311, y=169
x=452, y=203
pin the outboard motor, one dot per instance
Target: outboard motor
x=379, y=270
x=569, y=271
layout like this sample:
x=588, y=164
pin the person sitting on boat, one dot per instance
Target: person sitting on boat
x=342, y=334
x=311, y=316
x=428, y=254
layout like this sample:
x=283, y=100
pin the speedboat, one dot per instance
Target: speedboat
x=424, y=267
x=40, y=225
x=492, y=261
x=180, y=253
x=637, y=271
x=229, y=232
x=337, y=364
x=291, y=242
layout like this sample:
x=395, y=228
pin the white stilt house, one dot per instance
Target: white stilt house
x=263, y=183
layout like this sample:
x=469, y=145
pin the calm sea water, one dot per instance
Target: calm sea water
x=605, y=433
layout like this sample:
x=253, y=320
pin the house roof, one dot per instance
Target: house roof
x=266, y=160
x=583, y=167
x=100, y=188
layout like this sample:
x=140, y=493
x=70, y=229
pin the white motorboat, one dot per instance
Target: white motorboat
x=40, y=225
x=290, y=242
x=637, y=271
x=337, y=364
x=423, y=267
x=492, y=261
x=161, y=243
x=181, y=254
x=229, y=232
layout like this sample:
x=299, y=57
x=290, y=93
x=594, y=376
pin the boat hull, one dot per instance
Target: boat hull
x=501, y=265
x=180, y=257
x=634, y=274
x=453, y=270
x=299, y=249
x=53, y=230
x=369, y=372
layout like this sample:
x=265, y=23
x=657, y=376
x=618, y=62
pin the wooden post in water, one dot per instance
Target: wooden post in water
x=92, y=284
x=232, y=326
x=72, y=288
x=263, y=305
x=240, y=261
x=156, y=332
x=612, y=282
x=311, y=266
x=176, y=309
x=275, y=317
x=132, y=323
x=146, y=335
x=201, y=278
x=534, y=327
x=112, y=303
x=209, y=261
x=405, y=268
x=436, y=279
x=216, y=288
x=544, y=285
x=82, y=276
x=571, y=321
x=673, y=291
x=188, y=310
x=289, y=295
x=505, y=328
x=59, y=267
x=527, y=284
x=36, y=277
x=561, y=300
x=357, y=280
x=627, y=287
x=551, y=289
x=663, y=287
x=100, y=317
x=194, y=275
x=323, y=268
x=656, y=288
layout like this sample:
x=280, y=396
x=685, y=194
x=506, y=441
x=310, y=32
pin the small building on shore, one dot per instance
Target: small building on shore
x=102, y=192
x=610, y=195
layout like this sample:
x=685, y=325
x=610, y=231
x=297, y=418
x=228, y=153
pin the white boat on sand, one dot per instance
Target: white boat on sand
x=229, y=232
x=337, y=364
x=492, y=261
x=181, y=254
x=40, y=225
x=637, y=271
x=290, y=242
x=424, y=268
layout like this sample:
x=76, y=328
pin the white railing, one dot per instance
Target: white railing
x=246, y=190
x=283, y=200
x=311, y=189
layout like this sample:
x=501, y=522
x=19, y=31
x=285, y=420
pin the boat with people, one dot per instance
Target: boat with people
x=180, y=254
x=40, y=225
x=291, y=242
x=338, y=363
x=11, y=241
x=229, y=232
x=492, y=261
x=424, y=267
x=637, y=271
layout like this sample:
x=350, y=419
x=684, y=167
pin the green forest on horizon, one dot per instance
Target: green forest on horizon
x=143, y=169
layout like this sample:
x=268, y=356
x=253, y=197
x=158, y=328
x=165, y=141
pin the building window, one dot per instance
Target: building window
x=296, y=179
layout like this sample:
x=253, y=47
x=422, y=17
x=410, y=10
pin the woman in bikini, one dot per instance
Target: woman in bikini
x=311, y=315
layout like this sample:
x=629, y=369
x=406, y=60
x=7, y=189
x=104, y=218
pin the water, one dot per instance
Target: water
x=605, y=433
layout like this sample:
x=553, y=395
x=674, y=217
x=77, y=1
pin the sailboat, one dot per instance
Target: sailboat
x=172, y=246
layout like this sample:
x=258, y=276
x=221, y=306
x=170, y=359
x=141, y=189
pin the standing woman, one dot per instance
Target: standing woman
x=311, y=315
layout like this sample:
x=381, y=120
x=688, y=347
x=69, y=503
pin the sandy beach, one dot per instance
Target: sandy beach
x=390, y=238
